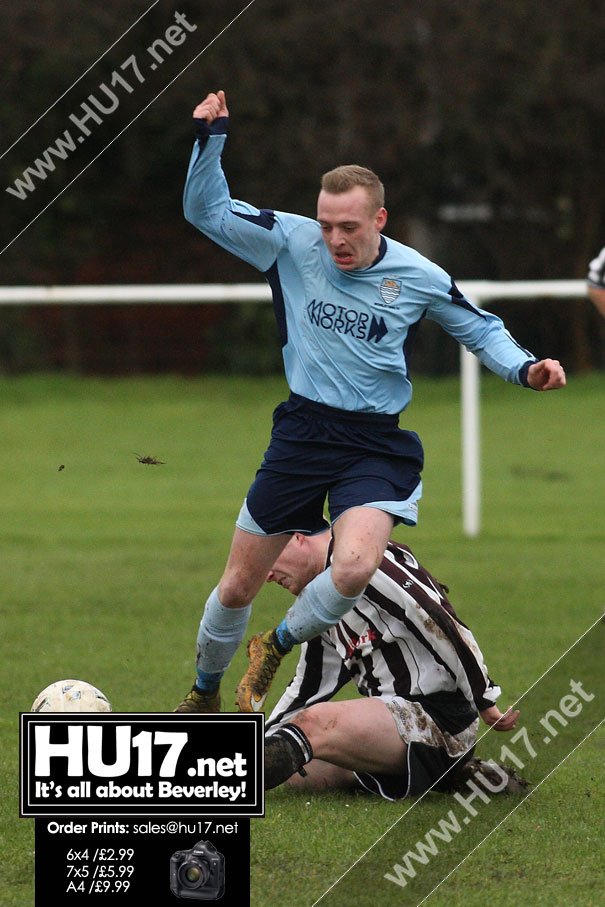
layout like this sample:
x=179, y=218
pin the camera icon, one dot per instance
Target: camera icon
x=199, y=873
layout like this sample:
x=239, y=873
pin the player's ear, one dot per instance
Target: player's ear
x=381, y=218
x=300, y=541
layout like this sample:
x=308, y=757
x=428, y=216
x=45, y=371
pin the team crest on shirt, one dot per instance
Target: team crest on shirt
x=390, y=288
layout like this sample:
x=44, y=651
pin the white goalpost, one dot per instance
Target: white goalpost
x=480, y=292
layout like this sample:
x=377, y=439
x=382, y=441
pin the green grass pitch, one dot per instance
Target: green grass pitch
x=106, y=561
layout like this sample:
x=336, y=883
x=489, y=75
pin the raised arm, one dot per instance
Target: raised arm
x=212, y=107
x=254, y=235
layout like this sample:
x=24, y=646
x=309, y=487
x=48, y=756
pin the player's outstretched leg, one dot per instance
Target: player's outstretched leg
x=198, y=701
x=264, y=658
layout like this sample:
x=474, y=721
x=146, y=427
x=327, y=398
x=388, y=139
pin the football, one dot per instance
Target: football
x=71, y=696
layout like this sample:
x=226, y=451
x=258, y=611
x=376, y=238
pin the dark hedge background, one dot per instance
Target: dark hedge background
x=486, y=122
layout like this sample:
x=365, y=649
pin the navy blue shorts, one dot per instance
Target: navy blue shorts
x=319, y=453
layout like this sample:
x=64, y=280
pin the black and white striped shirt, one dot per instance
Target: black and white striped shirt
x=403, y=638
x=596, y=270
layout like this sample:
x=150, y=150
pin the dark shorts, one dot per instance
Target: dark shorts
x=318, y=453
x=432, y=752
x=426, y=768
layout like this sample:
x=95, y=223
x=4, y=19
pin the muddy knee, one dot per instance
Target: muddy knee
x=318, y=723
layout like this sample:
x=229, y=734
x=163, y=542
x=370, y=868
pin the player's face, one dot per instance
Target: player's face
x=295, y=567
x=350, y=228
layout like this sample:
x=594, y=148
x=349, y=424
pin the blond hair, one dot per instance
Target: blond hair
x=346, y=177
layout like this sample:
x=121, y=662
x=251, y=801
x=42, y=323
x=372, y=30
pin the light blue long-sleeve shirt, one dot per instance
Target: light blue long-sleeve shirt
x=344, y=333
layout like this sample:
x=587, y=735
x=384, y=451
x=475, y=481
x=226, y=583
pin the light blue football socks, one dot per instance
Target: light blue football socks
x=318, y=607
x=219, y=636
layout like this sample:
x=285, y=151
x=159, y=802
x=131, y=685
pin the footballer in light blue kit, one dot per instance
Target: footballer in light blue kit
x=348, y=301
